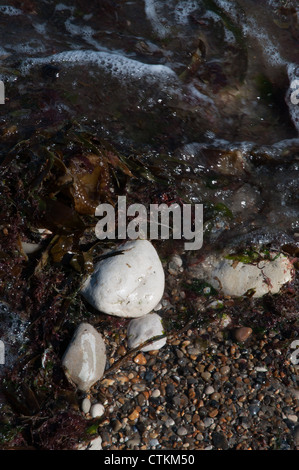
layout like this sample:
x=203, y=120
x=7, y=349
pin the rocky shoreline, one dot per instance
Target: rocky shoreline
x=216, y=386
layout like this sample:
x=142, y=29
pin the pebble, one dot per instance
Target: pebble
x=209, y=390
x=130, y=284
x=134, y=415
x=140, y=359
x=242, y=334
x=182, y=431
x=235, y=279
x=84, y=361
x=169, y=422
x=215, y=396
x=224, y=370
x=154, y=442
x=156, y=393
x=144, y=328
x=208, y=422
x=135, y=441
x=86, y=405
x=97, y=410
x=117, y=425
x=95, y=444
x=206, y=375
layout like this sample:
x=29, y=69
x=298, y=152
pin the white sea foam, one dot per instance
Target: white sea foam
x=270, y=51
x=157, y=21
x=293, y=93
x=62, y=6
x=229, y=8
x=9, y=10
x=183, y=9
x=114, y=64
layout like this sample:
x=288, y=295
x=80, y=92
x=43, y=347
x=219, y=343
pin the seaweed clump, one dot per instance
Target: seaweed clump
x=49, y=188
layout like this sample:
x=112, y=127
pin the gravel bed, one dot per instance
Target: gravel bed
x=193, y=394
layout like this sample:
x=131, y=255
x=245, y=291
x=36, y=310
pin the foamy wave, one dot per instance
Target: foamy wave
x=9, y=10
x=292, y=95
x=114, y=64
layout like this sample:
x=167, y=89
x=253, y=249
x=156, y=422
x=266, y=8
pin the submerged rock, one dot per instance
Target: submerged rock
x=129, y=284
x=85, y=358
x=143, y=328
x=236, y=278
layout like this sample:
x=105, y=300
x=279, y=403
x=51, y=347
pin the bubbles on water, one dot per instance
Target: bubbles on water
x=12, y=335
x=10, y=10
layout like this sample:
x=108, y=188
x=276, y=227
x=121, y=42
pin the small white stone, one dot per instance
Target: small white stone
x=85, y=406
x=30, y=248
x=129, y=284
x=97, y=410
x=156, y=393
x=177, y=260
x=143, y=328
x=293, y=418
x=158, y=307
x=95, y=444
x=85, y=358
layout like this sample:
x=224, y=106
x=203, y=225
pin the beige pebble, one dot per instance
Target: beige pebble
x=97, y=410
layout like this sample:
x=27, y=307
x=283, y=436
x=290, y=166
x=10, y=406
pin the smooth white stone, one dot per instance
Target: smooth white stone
x=143, y=328
x=85, y=406
x=129, y=284
x=85, y=358
x=97, y=410
x=235, y=279
x=95, y=444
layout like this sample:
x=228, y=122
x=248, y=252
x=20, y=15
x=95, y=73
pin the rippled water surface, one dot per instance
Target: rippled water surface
x=201, y=89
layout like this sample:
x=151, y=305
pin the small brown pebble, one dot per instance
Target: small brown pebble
x=134, y=415
x=242, y=334
x=140, y=359
x=215, y=396
x=213, y=413
x=206, y=376
x=154, y=352
x=121, y=350
x=224, y=370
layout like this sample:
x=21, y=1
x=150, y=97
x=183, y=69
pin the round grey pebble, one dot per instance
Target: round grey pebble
x=154, y=442
x=209, y=390
x=208, y=422
x=182, y=431
x=169, y=422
